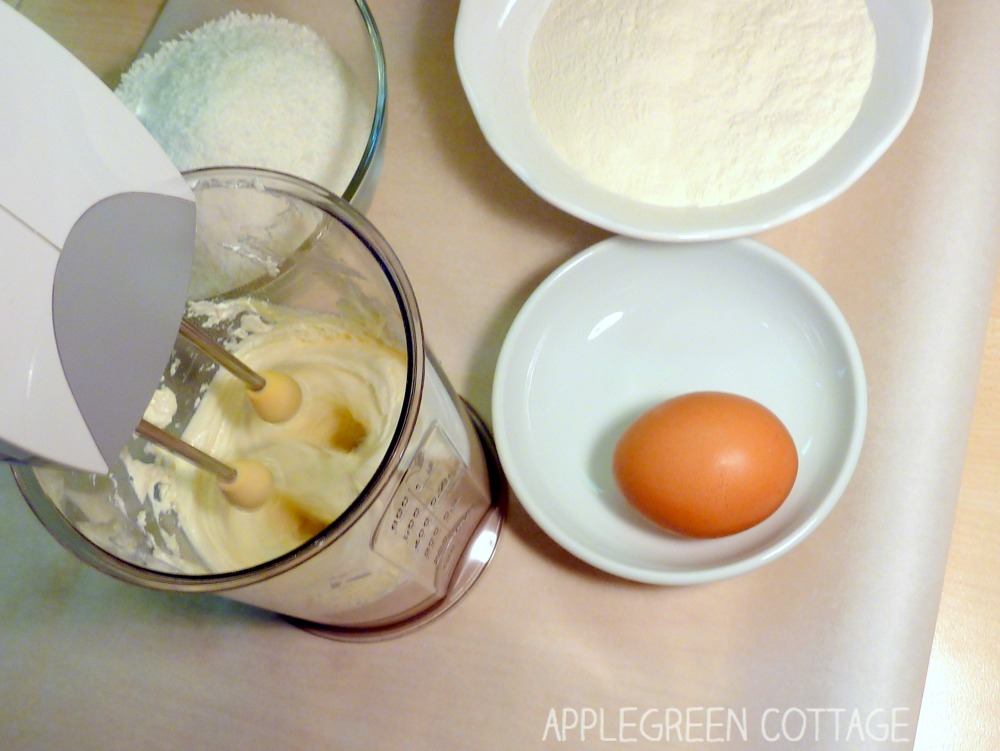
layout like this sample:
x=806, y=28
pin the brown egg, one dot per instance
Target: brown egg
x=706, y=464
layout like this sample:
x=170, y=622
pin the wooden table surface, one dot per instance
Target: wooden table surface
x=962, y=696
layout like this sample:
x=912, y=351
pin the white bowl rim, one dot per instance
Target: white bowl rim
x=482, y=21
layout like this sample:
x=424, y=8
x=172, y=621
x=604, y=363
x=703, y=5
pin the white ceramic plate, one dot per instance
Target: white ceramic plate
x=627, y=324
x=492, y=42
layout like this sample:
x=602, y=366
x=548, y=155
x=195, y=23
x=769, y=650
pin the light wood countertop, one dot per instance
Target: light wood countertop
x=962, y=695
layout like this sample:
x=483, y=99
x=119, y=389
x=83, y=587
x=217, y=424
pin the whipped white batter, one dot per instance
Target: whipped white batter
x=352, y=392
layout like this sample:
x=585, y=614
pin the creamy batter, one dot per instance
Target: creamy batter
x=352, y=392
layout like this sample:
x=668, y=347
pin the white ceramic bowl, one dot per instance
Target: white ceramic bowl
x=627, y=324
x=492, y=42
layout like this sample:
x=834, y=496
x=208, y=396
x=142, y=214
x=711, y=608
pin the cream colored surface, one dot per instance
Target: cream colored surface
x=845, y=620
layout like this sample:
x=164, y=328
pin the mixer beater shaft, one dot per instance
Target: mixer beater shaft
x=275, y=396
x=175, y=445
x=215, y=351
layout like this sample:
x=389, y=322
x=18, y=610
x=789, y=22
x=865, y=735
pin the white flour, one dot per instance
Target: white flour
x=252, y=90
x=690, y=102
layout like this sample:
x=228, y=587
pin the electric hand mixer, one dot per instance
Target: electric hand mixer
x=97, y=235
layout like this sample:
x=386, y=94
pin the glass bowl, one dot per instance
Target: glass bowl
x=349, y=29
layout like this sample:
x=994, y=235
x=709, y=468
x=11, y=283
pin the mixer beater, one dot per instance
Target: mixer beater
x=275, y=397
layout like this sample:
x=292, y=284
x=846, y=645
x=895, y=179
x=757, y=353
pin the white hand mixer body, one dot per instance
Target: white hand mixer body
x=97, y=234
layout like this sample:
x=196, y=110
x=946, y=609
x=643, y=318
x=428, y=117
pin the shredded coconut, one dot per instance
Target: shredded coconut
x=252, y=90
x=689, y=102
